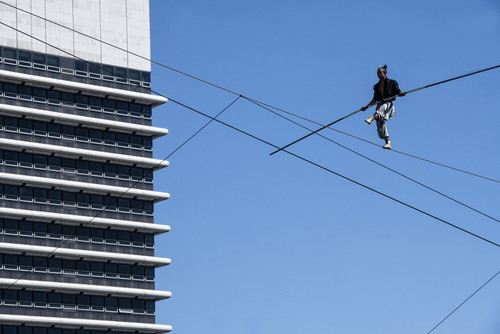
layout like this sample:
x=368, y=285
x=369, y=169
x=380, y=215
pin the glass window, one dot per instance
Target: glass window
x=82, y=101
x=111, y=237
x=26, y=160
x=54, y=130
x=55, y=197
x=25, y=126
x=123, y=172
x=97, y=303
x=69, y=232
x=96, y=202
x=40, y=230
x=10, y=124
x=55, y=232
x=149, y=240
x=82, y=134
x=40, y=299
x=82, y=167
x=39, y=95
x=124, y=271
x=135, y=110
x=111, y=304
x=10, y=262
x=68, y=99
x=138, y=273
x=26, y=194
x=55, y=164
x=40, y=195
x=95, y=103
x=39, y=58
x=148, y=208
x=146, y=111
x=69, y=199
x=10, y=227
x=111, y=270
x=95, y=136
x=69, y=165
x=97, y=269
x=96, y=169
x=53, y=61
x=122, y=140
x=124, y=238
x=40, y=264
x=121, y=74
x=68, y=132
x=25, y=93
x=109, y=171
x=40, y=128
x=108, y=106
x=11, y=158
x=55, y=300
x=69, y=266
x=83, y=234
x=81, y=65
x=110, y=203
x=125, y=305
x=121, y=108
x=55, y=266
x=10, y=192
x=25, y=263
x=83, y=200
x=54, y=97
x=83, y=302
x=83, y=268
x=26, y=300
x=150, y=274
x=137, y=206
x=123, y=205
x=136, y=174
x=109, y=138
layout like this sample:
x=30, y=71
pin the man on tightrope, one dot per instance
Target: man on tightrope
x=385, y=91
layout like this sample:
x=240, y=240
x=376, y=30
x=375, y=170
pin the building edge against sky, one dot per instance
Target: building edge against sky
x=76, y=169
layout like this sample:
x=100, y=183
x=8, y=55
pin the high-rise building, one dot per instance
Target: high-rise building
x=76, y=169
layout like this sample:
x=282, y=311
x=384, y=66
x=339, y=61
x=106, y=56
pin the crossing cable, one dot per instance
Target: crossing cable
x=380, y=164
x=465, y=301
x=383, y=100
x=81, y=226
x=235, y=93
x=130, y=187
x=338, y=174
x=292, y=154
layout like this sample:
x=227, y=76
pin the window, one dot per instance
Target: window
x=111, y=304
x=26, y=228
x=111, y=237
x=40, y=128
x=25, y=93
x=26, y=160
x=40, y=196
x=95, y=136
x=10, y=192
x=40, y=264
x=40, y=230
x=97, y=303
x=138, y=273
x=125, y=305
x=97, y=269
x=83, y=303
x=25, y=300
x=109, y=138
x=55, y=197
x=39, y=95
x=40, y=299
x=83, y=234
x=96, y=169
x=83, y=268
x=95, y=104
x=69, y=166
x=55, y=232
x=69, y=232
x=55, y=300
x=69, y=199
x=40, y=162
x=111, y=270
x=68, y=99
x=54, y=164
x=25, y=263
x=124, y=271
x=54, y=97
x=26, y=194
x=121, y=108
x=69, y=267
x=82, y=167
x=83, y=201
x=55, y=266
x=82, y=134
x=68, y=132
x=109, y=171
x=82, y=101
x=54, y=130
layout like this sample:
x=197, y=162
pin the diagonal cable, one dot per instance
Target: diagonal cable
x=465, y=301
x=379, y=164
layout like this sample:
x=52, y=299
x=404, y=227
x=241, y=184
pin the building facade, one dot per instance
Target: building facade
x=76, y=169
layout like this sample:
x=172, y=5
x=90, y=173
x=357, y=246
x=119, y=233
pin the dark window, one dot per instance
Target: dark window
x=39, y=95
x=82, y=101
x=25, y=56
x=40, y=128
x=82, y=167
x=69, y=198
x=83, y=268
x=40, y=195
x=54, y=130
x=83, y=200
x=55, y=164
x=68, y=98
x=53, y=61
x=55, y=232
x=55, y=197
x=39, y=58
x=54, y=97
x=26, y=194
x=82, y=134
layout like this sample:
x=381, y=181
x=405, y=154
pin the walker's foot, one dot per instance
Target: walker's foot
x=387, y=145
x=370, y=120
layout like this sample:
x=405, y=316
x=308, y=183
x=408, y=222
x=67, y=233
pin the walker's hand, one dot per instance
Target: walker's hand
x=402, y=94
x=364, y=108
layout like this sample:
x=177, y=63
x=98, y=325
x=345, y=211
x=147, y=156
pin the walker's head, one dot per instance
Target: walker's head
x=382, y=72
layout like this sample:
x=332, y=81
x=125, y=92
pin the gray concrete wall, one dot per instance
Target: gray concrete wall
x=124, y=23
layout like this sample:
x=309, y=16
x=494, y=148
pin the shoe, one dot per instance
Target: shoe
x=370, y=120
x=387, y=145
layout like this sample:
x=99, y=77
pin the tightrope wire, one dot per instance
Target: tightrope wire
x=249, y=98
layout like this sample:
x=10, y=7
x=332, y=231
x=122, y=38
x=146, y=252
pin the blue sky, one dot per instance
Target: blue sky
x=264, y=244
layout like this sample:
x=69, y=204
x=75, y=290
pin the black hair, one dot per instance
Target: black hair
x=384, y=68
